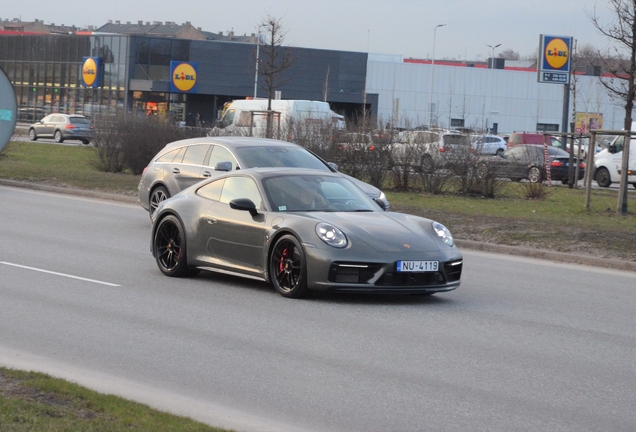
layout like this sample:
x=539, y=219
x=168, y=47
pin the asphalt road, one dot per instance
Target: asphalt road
x=522, y=345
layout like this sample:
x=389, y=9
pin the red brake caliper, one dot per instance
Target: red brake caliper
x=283, y=256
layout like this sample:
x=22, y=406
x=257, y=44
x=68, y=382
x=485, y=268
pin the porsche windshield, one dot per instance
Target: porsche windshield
x=294, y=193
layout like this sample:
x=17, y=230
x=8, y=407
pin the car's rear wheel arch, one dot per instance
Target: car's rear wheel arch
x=184, y=269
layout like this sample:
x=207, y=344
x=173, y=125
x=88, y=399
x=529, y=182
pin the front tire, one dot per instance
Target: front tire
x=603, y=178
x=32, y=135
x=169, y=248
x=158, y=195
x=534, y=175
x=288, y=268
x=58, y=137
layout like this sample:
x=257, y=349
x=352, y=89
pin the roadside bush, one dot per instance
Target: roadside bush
x=536, y=191
x=130, y=141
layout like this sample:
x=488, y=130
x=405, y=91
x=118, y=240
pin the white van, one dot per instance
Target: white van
x=607, y=162
x=249, y=116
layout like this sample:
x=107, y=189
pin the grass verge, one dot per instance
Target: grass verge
x=31, y=401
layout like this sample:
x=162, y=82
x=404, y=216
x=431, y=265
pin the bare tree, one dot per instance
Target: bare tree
x=273, y=61
x=509, y=54
x=623, y=32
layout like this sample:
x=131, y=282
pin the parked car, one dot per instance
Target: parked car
x=608, y=162
x=527, y=161
x=182, y=163
x=301, y=230
x=62, y=127
x=489, y=145
x=517, y=138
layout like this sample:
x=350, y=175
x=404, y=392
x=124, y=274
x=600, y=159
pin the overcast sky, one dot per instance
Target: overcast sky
x=403, y=27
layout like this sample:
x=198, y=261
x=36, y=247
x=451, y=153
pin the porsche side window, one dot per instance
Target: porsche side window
x=241, y=187
x=212, y=190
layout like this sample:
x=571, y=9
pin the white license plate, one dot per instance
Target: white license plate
x=417, y=266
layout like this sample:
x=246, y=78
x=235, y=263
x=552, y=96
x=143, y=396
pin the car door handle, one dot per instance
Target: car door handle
x=207, y=173
x=211, y=221
x=176, y=171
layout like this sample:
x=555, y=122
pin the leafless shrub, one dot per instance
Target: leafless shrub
x=536, y=191
x=129, y=142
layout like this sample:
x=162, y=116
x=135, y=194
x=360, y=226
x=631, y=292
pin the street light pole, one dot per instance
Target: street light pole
x=430, y=95
x=492, y=61
x=258, y=46
x=492, y=66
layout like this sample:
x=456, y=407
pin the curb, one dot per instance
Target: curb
x=71, y=191
x=466, y=244
x=547, y=255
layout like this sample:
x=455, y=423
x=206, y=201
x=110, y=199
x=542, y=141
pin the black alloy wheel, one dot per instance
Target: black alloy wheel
x=32, y=135
x=170, y=249
x=603, y=177
x=158, y=195
x=288, y=268
x=58, y=137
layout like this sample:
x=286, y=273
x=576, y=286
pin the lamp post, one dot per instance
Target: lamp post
x=492, y=66
x=430, y=95
x=492, y=59
x=258, y=46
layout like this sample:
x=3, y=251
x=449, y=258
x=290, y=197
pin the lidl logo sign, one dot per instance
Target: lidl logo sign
x=90, y=72
x=557, y=53
x=554, y=65
x=183, y=77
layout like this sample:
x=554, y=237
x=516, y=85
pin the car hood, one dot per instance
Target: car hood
x=384, y=231
x=368, y=189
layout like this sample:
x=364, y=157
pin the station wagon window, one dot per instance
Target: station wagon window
x=212, y=190
x=241, y=187
x=221, y=154
x=172, y=156
x=195, y=154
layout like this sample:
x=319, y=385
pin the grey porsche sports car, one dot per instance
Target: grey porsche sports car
x=301, y=230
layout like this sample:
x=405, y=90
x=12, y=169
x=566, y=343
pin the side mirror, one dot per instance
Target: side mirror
x=333, y=165
x=381, y=203
x=223, y=166
x=244, y=204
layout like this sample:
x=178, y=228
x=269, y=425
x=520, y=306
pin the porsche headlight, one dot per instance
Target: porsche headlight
x=443, y=233
x=331, y=235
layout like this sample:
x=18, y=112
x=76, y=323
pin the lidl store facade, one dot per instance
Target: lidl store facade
x=184, y=80
x=109, y=73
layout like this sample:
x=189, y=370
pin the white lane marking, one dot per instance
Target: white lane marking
x=59, y=274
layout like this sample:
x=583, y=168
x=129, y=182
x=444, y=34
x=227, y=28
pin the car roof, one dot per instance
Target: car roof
x=234, y=142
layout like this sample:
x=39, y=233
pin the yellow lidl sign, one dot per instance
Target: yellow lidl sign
x=90, y=72
x=554, y=64
x=183, y=77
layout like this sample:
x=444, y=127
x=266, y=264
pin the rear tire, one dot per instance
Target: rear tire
x=85, y=141
x=158, y=195
x=534, y=175
x=32, y=135
x=169, y=248
x=603, y=178
x=58, y=137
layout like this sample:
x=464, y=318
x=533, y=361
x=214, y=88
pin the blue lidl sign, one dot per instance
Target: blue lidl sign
x=91, y=72
x=183, y=77
x=555, y=59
